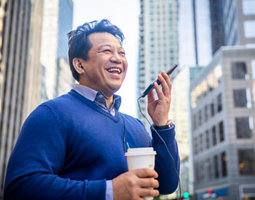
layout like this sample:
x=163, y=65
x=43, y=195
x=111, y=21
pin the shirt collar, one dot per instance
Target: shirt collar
x=96, y=96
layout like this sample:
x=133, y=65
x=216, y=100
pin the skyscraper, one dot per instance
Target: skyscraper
x=232, y=23
x=202, y=31
x=20, y=28
x=239, y=22
x=217, y=26
x=187, y=54
x=158, y=43
x=57, y=22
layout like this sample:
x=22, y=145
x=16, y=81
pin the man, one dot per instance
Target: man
x=73, y=147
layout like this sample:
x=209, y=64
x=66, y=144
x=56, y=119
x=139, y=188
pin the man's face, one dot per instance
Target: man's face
x=106, y=66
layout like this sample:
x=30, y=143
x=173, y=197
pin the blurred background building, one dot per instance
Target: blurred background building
x=24, y=75
x=223, y=113
x=158, y=43
x=213, y=93
x=223, y=106
x=215, y=38
x=20, y=25
x=57, y=22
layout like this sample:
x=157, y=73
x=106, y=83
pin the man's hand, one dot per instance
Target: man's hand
x=159, y=109
x=135, y=185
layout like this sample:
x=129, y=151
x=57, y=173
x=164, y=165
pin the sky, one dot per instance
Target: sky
x=124, y=14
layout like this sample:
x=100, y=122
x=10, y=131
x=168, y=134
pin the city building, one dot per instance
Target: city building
x=158, y=44
x=223, y=119
x=20, y=28
x=232, y=23
x=239, y=22
x=179, y=112
x=202, y=32
x=187, y=56
x=214, y=147
x=180, y=115
x=217, y=25
x=184, y=177
x=57, y=22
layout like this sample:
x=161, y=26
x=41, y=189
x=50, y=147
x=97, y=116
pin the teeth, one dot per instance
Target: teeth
x=114, y=70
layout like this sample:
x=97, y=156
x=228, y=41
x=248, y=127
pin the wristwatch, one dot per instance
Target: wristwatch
x=168, y=125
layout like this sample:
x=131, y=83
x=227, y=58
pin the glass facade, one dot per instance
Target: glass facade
x=203, y=32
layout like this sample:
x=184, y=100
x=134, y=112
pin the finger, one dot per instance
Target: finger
x=148, y=192
x=163, y=79
x=168, y=81
x=158, y=90
x=150, y=97
x=148, y=183
x=145, y=173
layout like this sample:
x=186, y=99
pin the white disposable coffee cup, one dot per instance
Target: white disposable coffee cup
x=141, y=158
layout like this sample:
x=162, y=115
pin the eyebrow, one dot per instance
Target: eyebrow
x=108, y=45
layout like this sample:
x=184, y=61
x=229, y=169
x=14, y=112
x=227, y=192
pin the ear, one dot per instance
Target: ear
x=77, y=63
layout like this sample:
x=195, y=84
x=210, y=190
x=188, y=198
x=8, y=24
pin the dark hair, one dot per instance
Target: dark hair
x=79, y=44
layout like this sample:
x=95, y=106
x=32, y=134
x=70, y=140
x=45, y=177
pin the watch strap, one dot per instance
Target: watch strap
x=168, y=125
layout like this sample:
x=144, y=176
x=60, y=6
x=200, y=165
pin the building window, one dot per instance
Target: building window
x=207, y=139
x=253, y=69
x=194, y=122
x=200, y=118
x=201, y=143
x=214, y=136
x=239, y=70
x=224, y=164
x=212, y=109
x=216, y=167
x=249, y=30
x=208, y=168
x=201, y=172
x=248, y=7
x=244, y=126
x=221, y=131
x=206, y=113
x=240, y=98
x=195, y=146
x=246, y=161
x=197, y=172
x=219, y=103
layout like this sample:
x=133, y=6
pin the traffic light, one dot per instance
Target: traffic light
x=186, y=195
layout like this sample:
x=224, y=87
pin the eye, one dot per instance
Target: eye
x=107, y=50
x=122, y=53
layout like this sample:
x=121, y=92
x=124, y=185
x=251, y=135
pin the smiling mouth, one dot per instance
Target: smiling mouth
x=114, y=70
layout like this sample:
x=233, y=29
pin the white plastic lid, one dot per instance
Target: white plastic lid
x=140, y=151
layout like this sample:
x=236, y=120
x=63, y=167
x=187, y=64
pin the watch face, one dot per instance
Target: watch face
x=170, y=123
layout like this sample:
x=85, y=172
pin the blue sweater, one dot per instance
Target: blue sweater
x=68, y=147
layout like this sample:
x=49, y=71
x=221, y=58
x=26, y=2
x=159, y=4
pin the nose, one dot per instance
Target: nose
x=116, y=57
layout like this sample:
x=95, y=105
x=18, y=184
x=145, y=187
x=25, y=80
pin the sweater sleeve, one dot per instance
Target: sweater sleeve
x=38, y=158
x=167, y=163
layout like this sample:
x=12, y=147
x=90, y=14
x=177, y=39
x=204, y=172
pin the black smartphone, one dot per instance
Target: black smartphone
x=150, y=87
